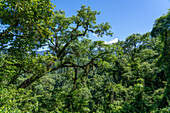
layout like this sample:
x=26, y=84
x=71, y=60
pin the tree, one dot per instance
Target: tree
x=77, y=74
x=161, y=29
x=53, y=29
x=26, y=25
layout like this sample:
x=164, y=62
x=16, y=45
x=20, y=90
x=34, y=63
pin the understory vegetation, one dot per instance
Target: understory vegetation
x=77, y=74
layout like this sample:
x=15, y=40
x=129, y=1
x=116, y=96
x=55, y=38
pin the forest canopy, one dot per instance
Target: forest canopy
x=77, y=74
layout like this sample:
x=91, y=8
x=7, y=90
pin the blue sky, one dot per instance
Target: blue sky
x=125, y=16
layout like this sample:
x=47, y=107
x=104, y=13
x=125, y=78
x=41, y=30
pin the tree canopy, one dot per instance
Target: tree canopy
x=77, y=74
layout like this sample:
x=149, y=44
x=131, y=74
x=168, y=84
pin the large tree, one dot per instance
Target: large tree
x=161, y=29
x=25, y=25
x=29, y=25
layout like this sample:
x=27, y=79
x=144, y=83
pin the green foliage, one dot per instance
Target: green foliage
x=76, y=74
x=26, y=25
x=13, y=100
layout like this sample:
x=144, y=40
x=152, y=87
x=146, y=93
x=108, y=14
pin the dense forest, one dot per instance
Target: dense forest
x=77, y=74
